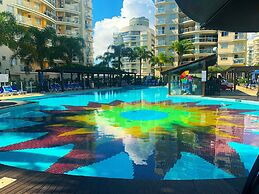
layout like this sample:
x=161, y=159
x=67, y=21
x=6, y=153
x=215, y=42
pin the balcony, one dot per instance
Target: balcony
x=239, y=50
x=185, y=19
x=27, y=21
x=240, y=36
x=239, y=60
x=207, y=51
x=189, y=29
x=163, y=1
x=50, y=3
x=29, y=7
x=71, y=8
x=68, y=21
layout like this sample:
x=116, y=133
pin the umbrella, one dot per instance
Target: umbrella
x=227, y=15
x=184, y=74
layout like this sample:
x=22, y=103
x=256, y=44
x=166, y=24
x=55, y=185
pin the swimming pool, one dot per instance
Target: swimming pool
x=132, y=134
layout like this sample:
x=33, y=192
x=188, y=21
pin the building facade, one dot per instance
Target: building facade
x=232, y=48
x=250, y=52
x=137, y=34
x=172, y=24
x=256, y=50
x=69, y=18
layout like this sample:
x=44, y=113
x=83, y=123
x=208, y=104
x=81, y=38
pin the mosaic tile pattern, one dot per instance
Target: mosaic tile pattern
x=169, y=139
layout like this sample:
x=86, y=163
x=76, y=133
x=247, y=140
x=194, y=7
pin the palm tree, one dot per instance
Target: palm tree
x=142, y=54
x=161, y=59
x=182, y=47
x=119, y=52
x=105, y=59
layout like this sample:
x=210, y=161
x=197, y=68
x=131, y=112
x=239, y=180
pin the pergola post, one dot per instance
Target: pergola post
x=169, y=83
x=235, y=81
x=120, y=82
x=110, y=80
x=39, y=81
x=71, y=77
x=98, y=80
x=135, y=79
x=203, y=83
x=104, y=79
x=83, y=80
x=62, y=81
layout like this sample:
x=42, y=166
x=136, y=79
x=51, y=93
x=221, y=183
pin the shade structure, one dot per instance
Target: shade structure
x=227, y=15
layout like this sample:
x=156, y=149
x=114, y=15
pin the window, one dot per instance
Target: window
x=38, y=21
x=224, y=58
x=3, y=58
x=224, y=33
x=172, y=28
x=10, y=9
x=224, y=45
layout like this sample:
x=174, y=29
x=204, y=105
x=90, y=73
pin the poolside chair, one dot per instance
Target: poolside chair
x=15, y=89
x=8, y=90
x=252, y=183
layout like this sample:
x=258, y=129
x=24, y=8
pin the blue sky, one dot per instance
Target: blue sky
x=113, y=15
x=106, y=9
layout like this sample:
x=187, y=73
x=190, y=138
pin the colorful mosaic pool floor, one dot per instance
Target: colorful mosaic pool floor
x=166, y=139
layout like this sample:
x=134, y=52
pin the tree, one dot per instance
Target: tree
x=119, y=52
x=142, y=54
x=33, y=47
x=182, y=47
x=161, y=59
x=105, y=59
x=68, y=49
x=8, y=30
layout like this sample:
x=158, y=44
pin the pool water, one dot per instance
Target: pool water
x=137, y=133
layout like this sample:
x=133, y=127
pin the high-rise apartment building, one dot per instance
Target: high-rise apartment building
x=250, y=52
x=172, y=24
x=137, y=34
x=232, y=48
x=256, y=50
x=68, y=17
x=74, y=18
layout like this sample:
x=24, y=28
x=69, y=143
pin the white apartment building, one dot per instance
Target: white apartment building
x=172, y=24
x=137, y=34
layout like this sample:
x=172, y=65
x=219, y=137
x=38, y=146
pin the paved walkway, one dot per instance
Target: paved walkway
x=39, y=182
x=241, y=93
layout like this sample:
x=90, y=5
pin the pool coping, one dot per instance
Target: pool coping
x=28, y=181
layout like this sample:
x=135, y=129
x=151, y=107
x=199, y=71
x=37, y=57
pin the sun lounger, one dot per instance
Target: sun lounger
x=7, y=90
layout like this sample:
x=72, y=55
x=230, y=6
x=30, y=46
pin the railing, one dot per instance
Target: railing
x=205, y=51
x=190, y=29
x=239, y=36
x=70, y=7
x=236, y=50
x=239, y=60
x=29, y=5
x=185, y=19
x=27, y=21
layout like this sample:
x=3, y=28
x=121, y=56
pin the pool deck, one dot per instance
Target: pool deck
x=39, y=182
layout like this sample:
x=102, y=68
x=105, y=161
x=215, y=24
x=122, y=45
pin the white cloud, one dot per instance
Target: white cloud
x=103, y=30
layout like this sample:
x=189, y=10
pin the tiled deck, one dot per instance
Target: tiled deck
x=38, y=182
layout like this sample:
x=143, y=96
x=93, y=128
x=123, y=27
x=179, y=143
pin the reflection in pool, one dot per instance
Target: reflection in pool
x=163, y=139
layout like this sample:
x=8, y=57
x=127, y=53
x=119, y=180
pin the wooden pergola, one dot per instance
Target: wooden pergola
x=87, y=73
x=233, y=72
